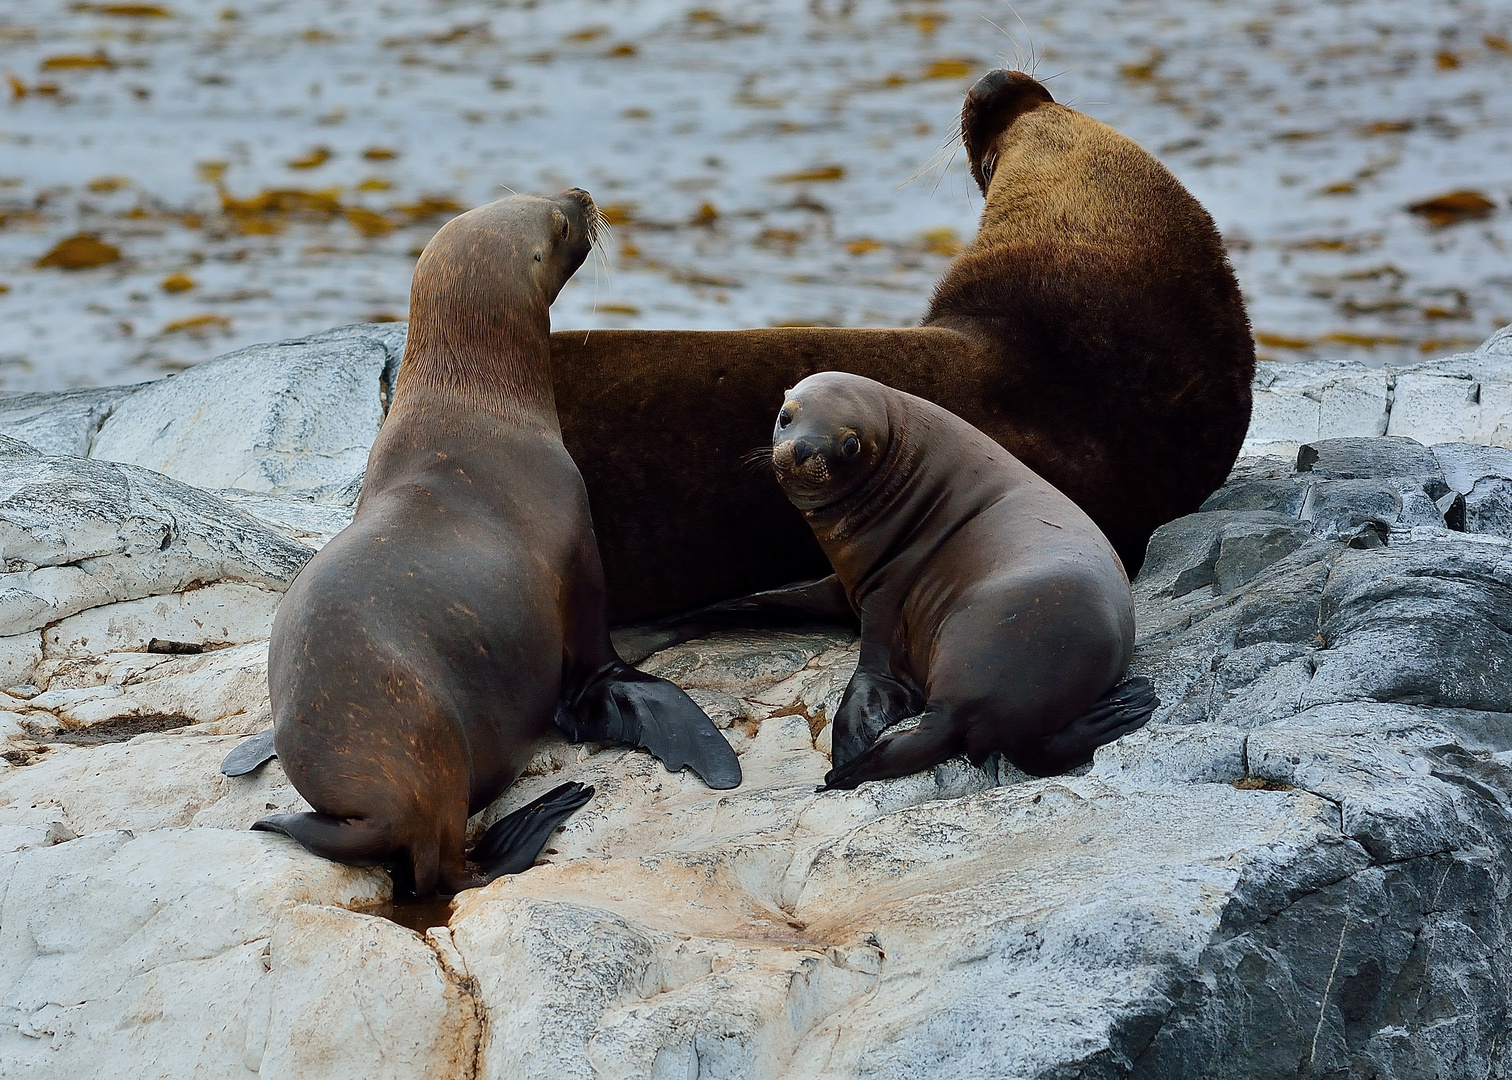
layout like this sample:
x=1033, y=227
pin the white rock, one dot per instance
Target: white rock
x=1462, y=398
x=297, y=415
x=353, y=996
x=159, y=781
x=19, y=656
x=60, y=423
x=1302, y=403
x=151, y=954
x=76, y=534
x=305, y=521
x=1335, y=913
x=1435, y=408
x=225, y=613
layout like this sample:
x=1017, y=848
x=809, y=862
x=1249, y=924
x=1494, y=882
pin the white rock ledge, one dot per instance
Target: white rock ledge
x=1462, y=398
x=1299, y=868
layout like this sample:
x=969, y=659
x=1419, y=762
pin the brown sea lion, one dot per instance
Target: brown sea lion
x=420, y=656
x=992, y=608
x=1093, y=328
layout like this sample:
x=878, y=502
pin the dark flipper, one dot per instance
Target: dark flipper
x=250, y=754
x=356, y=842
x=629, y=707
x=512, y=843
x=899, y=753
x=873, y=701
x=1125, y=708
x=820, y=601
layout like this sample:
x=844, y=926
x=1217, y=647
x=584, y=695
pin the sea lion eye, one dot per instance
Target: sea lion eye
x=538, y=256
x=784, y=418
x=850, y=446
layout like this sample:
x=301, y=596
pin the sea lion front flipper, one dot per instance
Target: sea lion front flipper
x=629, y=707
x=1125, y=708
x=250, y=754
x=898, y=752
x=873, y=701
x=512, y=843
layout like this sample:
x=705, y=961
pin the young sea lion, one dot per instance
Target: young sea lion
x=1093, y=328
x=991, y=607
x=421, y=655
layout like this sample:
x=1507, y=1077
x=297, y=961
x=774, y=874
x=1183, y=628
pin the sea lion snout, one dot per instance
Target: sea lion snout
x=826, y=439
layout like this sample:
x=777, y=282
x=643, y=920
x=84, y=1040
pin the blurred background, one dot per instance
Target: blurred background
x=181, y=179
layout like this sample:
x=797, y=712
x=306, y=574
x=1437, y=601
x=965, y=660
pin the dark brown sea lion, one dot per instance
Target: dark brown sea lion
x=1093, y=328
x=421, y=655
x=992, y=608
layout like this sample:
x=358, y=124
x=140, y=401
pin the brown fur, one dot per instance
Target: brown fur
x=1093, y=328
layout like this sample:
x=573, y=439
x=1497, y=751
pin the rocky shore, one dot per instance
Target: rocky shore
x=1300, y=867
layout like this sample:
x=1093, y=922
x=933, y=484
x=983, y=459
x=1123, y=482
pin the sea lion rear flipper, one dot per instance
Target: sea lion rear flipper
x=820, y=601
x=900, y=752
x=1125, y=708
x=354, y=841
x=249, y=754
x=512, y=843
x=629, y=707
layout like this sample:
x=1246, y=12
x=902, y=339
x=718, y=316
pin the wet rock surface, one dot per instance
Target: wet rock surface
x=1300, y=867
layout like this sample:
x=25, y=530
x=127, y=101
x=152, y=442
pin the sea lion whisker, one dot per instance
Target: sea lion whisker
x=936, y=160
x=1022, y=59
x=757, y=458
x=945, y=172
x=1033, y=59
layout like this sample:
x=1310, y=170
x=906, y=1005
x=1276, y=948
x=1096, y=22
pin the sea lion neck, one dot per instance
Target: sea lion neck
x=495, y=365
x=857, y=531
x=478, y=338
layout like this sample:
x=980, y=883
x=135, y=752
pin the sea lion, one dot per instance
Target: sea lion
x=1093, y=327
x=992, y=608
x=420, y=656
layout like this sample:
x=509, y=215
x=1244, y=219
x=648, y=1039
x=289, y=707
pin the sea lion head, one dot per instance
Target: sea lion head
x=992, y=104
x=517, y=246
x=831, y=434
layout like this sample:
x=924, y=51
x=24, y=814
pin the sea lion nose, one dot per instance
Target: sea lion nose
x=802, y=451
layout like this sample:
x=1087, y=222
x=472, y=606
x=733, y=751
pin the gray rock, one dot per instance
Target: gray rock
x=12, y=448
x=1221, y=549
x=1364, y=513
x=1364, y=459
x=76, y=534
x=1483, y=476
x=1282, y=495
x=60, y=423
x=296, y=416
x=1421, y=624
